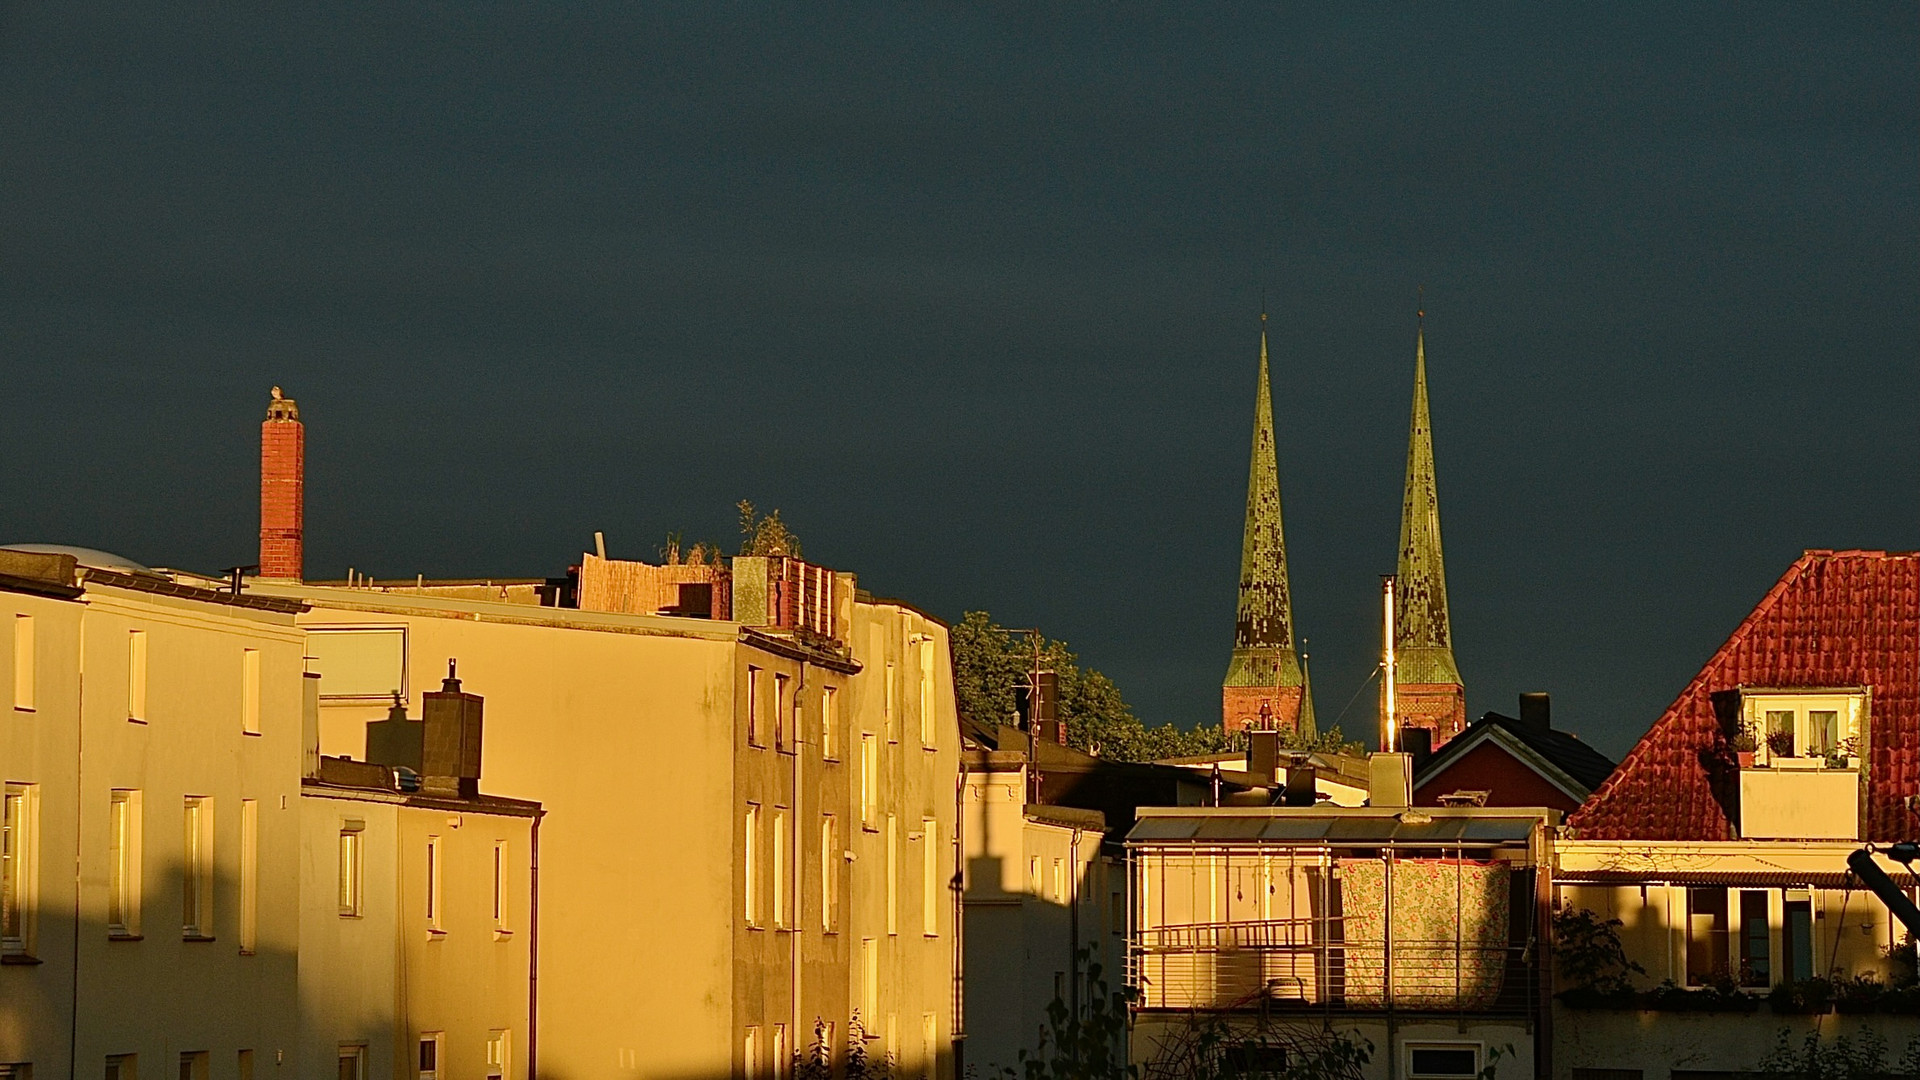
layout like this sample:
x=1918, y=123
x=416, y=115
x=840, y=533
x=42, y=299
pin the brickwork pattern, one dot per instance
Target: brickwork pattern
x=1240, y=706
x=283, y=501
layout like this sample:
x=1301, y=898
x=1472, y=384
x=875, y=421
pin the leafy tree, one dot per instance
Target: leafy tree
x=1092, y=1046
x=990, y=662
x=1841, y=1059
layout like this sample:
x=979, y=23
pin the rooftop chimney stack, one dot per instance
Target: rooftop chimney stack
x=450, y=751
x=1536, y=711
x=283, y=482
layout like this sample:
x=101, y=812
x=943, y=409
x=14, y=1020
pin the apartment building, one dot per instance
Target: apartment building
x=418, y=898
x=1721, y=841
x=749, y=822
x=152, y=739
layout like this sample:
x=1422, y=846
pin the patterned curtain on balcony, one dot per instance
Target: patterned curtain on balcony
x=1449, y=920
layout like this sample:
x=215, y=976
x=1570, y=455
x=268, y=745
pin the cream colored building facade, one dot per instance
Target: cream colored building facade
x=416, y=930
x=1040, y=900
x=749, y=831
x=151, y=737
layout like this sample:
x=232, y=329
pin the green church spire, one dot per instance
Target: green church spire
x=1263, y=648
x=1422, y=635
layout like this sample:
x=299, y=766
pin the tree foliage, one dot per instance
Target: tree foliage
x=990, y=662
x=766, y=535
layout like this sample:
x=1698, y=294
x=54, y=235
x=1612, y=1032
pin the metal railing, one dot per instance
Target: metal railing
x=1311, y=964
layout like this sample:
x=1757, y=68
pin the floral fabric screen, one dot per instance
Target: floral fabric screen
x=1449, y=920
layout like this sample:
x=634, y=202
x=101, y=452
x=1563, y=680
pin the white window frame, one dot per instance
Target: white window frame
x=250, y=691
x=869, y=780
x=893, y=875
x=930, y=877
x=830, y=859
x=891, y=713
x=436, y=901
x=249, y=875
x=357, y=1053
x=436, y=1040
x=750, y=892
x=123, y=864
x=137, y=657
x=782, y=695
x=25, y=663
x=17, y=877
x=782, y=871
x=1479, y=1059
x=352, y=858
x=196, y=868
x=829, y=727
x=754, y=734
x=500, y=870
x=929, y=738
x=500, y=1053
x=1853, y=706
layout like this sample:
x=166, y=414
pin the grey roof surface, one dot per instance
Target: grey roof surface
x=1341, y=830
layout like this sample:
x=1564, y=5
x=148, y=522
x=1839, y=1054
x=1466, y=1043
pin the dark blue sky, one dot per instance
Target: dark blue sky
x=971, y=295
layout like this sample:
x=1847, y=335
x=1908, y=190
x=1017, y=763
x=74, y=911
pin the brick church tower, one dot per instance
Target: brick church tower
x=283, y=500
x=1266, y=684
x=1427, y=688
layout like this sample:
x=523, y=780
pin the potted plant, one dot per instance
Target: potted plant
x=1780, y=744
x=1743, y=746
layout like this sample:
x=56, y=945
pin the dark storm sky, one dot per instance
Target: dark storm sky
x=971, y=296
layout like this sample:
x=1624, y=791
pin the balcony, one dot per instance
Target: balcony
x=1313, y=964
x=1792, y=801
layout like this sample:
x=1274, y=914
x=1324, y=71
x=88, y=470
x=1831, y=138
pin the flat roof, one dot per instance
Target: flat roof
x=1344, y=827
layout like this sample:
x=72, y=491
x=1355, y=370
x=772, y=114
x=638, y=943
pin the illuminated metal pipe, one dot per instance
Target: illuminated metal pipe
x=1389, y=726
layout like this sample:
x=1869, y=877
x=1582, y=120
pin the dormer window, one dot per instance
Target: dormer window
x=1801, y=728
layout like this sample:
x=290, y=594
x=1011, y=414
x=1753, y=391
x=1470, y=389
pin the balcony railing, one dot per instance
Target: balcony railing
x=1311, y=964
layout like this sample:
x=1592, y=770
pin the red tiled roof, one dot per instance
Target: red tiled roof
x=1836, y=618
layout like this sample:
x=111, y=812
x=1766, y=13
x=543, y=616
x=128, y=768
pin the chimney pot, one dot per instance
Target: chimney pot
x=1536, y=711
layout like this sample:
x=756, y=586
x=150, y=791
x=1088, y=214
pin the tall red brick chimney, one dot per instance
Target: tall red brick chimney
x=283, y=485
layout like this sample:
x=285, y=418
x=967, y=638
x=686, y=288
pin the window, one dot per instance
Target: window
x=886, y=705
x=750, y=1053
x=429, y=1056
x=16, y=869
x=1706, y=935
x=123, y=864
x=829, y=724
x=433, y=885
x=780, y=868
x=829, y=872
x=869, y=979
x=782, y=1056
x=196, y=869
x=1060, y=881
x=1756, y=953
x=23, y=662
x=750, y=900
x=193, y=1065
x=1443, y=1060
x=893, y=876
x=869, y=777
x=137, y=676
x=500, y=887
x=930, y=877
x=781, y=698
x=352, y=861
x=1823, y=732
x=1796, y=934
x=1608, y=1074
x=926, y=691
x=123, y=1067
x=1816, y=725
x=1780, y=732
x=360, y=663
x=499, y=1047
x=1033, y=874
x=243, y=1066
x=249, y=874
x=929, y=1045
x=16, y=1070
x=353, y=1063
x=250, y=691
x=753, y=706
